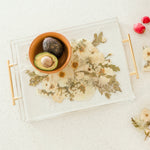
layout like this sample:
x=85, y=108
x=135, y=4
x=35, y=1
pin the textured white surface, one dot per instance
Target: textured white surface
x=107, y=127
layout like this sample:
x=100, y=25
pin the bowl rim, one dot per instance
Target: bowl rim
x=66, y=43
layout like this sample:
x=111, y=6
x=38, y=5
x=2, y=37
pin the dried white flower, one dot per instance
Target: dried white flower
x=63, y=76
x=145, y=115
x=109, y=71
x=103, y=80
x=146, y=54
x=49, y=84
x=80, y=76
x=59, y=96
x=89, y=92
x=97, y=58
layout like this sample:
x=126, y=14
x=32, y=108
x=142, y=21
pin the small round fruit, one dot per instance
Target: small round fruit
x=47, y=61
x=53, y=45
x=139, y=28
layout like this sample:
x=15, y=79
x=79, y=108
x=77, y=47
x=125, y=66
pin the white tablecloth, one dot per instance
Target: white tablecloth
x=107, y=127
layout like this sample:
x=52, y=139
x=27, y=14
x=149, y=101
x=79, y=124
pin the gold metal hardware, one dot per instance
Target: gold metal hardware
x=11, y=83
x=133, y=57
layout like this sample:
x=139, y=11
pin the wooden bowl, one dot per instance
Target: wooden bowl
x=36, y=47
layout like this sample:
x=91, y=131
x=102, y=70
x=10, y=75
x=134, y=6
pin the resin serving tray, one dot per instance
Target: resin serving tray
x=35, y=107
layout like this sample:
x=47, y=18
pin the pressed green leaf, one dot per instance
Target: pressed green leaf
x=108, y=95
x=35, y=79
x=82, y=88
x=114, y=68
x=98, y=39
x=135, y=123
x=108, y=55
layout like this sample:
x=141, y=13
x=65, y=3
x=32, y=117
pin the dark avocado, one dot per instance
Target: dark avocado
x=54, y=46
x=45, y=61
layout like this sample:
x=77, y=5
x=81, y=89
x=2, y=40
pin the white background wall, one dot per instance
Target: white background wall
x=107, y=127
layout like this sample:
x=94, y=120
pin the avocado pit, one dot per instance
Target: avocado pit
x=47, y=61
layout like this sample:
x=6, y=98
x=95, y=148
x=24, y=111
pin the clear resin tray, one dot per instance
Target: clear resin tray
x=35, y=107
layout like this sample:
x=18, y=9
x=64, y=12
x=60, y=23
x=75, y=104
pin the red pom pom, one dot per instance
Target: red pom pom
x=139, y=28
x=146, y=19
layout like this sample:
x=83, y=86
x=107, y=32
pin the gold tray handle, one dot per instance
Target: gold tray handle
x=11, y=83
x=133, y=57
